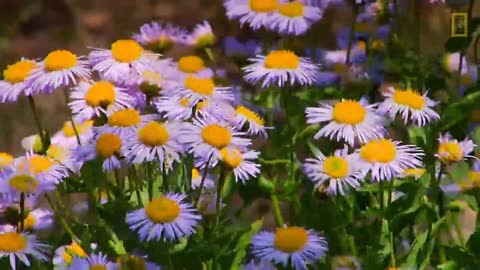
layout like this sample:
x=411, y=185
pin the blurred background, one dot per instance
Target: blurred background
x=32, y=28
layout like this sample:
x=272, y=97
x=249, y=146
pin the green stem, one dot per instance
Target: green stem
x=149, y=176
x=22, y=211
x=392, y=251
x=381, y=195
x=164, y=178
x=202, y=182
x=134, y=181
x=70, y=118
x=62, y=220
x=351, y=35
x=390, y=191
x=276, y=206
x=36, y=117
x=221, y=182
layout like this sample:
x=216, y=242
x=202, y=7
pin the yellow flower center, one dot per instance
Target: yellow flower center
x=5, y=160
x=191, y=64
x=216, y=136
x=378, y=150
x=60, y=60
x=282, y=60
x=98, y=267
x=290, y=239
x=415, y=172
x=263, y=5
x=23, y=183
x=11, y=242
x=203, y=86
x=349, y=112
x=195, y=173
x=39, y=164
x=68, y=130
x=57, y=152
x=74, y=249
x=29, y=222
x=291, y=9
x=18, y=72
x=100, y=94
x=250, y=115
x=202, y=104
x=232, y=157
x=126, y=50
x=153, y=134
x=336, y=167
x=409, y=98
x=184, y=102
x=108, y=144
x=450, y=151
x=162, y=210
x=124, y=118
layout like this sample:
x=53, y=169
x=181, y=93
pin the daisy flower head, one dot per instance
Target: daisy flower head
x=43, y=167
x=197, y=175
x=241, y=162
x=207, y=136
x=14, y=76
x=60, y=68
x=107, y=146
x=253, y=121
x=64, y=155
x=410, y=105
x=38, y=219
x=5, y=160
x=164, y=218
x=451, y=150
x=280, y=68
x=201, y=37
x=64, y=255
x=337, y=172
x=90, y=99
x=67, y=136
x=294, y=17
x=125, y=121
x=154, y=141
x=199, y=89
x=15, y=245
x=386, y=159
x=348, y=120
x=174, y=107
x=159, y=35
x=92, y=262
x=16, y=180
x=193, y=65
x=295, y=246
x=124, y=57
x=257, y=13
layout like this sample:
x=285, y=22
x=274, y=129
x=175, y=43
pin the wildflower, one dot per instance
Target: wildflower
x=64, y=255
x=294, y=245
x=199, y=89
x=32, y=143
x=125, y=56
x=60, y=68
x=450, y=150
x=386, y=159
x=262, y=265
x=201, y=37
x=166, y=217
x=21, y=179
x=240, y=162
x=348, y=120
x=410, y=105
x=20, y=245
x=337, y=172
x=67, y=136
x=125, y=122
x=294, y=17
x=257, y=13
x=97, y=98
x=13, y=84
x=209, y=181
x=5, y=160
x=207, y=136
x=193, y=65
x=154, y=141
x=255, y=123
x=38, y=219
x=42, y=167
x=174, y=107
x=63, y=155
x=159, y=36
x=92, y=262
x=280, y=68
x=107, y=146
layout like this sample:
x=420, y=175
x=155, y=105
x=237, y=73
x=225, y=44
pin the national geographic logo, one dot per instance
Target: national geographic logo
x=459, y=24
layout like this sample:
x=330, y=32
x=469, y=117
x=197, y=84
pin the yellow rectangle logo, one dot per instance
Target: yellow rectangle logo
x=459, y=24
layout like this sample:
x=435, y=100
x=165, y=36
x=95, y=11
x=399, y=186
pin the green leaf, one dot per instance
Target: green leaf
x=459, y=172
x=266, y=184
x=451, y=115
x=417, y=135
x=243, y=242
x=385, y=240
x=473, y=242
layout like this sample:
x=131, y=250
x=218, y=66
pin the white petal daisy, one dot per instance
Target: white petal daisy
x=201, y=37
x=386, y=159
x=280, y=68
x=255, y=123
x=174, y=107
x=257, y=13
x=92, y=262
x=293, y=246
x=107, y=146
x=348, y=120
x=158, y=35
x=38, y=219
x=97, y=98
x=451, y=150
x=64, y=255
x=193, y=65
x=294, y=17
x=124, y=57
x=410, y=105
x=67, y=136
x=337, y=173
x=41, y=167
x=199, y=89
x=13, y=84
x=60, y=68
x=167, y=217
x=125, y=122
